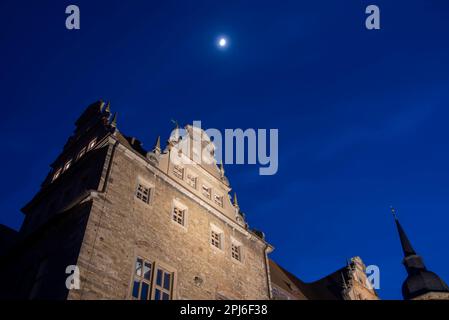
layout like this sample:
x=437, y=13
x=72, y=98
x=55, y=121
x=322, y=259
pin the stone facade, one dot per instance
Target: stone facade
x=153, y=224
x=108, y=207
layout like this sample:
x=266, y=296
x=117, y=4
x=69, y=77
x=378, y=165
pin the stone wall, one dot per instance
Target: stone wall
x=122, y=227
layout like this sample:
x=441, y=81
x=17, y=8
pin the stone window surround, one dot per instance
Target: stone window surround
x=235, y=242
x=67, y=164
x=194, y=178
x=188, y=193
x=178, y=204
x=146, y=184
x=138, y=253
x=214, y=228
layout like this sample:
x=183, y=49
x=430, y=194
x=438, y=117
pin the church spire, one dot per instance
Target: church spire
x=420, y=281
x=405, y=242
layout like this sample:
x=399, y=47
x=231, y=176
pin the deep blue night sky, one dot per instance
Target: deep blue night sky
x=362, y=115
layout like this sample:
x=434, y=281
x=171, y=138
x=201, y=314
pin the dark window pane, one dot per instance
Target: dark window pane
x=144, y=293
x=139, y=263
x=136, y=286
x=165, y=296
x=159, y=277
x=157, y=295
x=167, y=277
x=147, y=271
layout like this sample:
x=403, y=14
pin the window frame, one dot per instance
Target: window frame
x=219, y=203
x=176, y=204
x=239, y=246
x=144, y=185
x=68, y=165
x=207, y=195
x=215, y=230
x=178, y=168
x=81, y=153
x=57, y=174
x=152, y=281
x=91, y=144
x=191, y=177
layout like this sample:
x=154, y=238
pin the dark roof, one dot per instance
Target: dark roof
x=419, y=280
x=405, y=242
x=328, y=288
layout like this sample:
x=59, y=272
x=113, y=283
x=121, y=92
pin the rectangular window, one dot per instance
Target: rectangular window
x=81, y=153
x=67, y=165
x=163, y=284
x=178, y=171
x=218, y=200
x=142, y=280
x=235, y=252
x=191, y=180
x=206, y=191
x=92, y=144
x=178, y=215
x=215, y=239
x=57, y=174
x=143, y=193
x=148, y=285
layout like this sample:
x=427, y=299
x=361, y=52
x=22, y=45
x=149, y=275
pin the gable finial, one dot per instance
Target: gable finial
x=222, y=171
x=157, y=146
x=114, y=120
x=235, y=202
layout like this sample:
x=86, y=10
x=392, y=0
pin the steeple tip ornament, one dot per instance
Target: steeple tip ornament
x=235, y=202
x=393, y=212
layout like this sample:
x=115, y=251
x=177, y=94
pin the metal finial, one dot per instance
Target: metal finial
x=235, y=202
x=393, y=212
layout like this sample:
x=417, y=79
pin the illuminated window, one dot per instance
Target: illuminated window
x=178, y=171
x=236, y=251
x=206, y=191
x=141, y=289
x=191, y=180
x=143, y=193
x=81, y=153
x=67, y=165
x=179, y=215
x=57, y=174
x=92, y=144
x=151, y=281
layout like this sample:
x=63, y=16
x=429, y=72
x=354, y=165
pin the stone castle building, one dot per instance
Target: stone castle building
x=138, y=225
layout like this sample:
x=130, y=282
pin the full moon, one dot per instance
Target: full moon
x=222, y=42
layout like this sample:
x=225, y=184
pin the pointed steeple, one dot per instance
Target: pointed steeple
x=234, y=201
x=405, y=242
x=157, y=145
x=420, y=281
